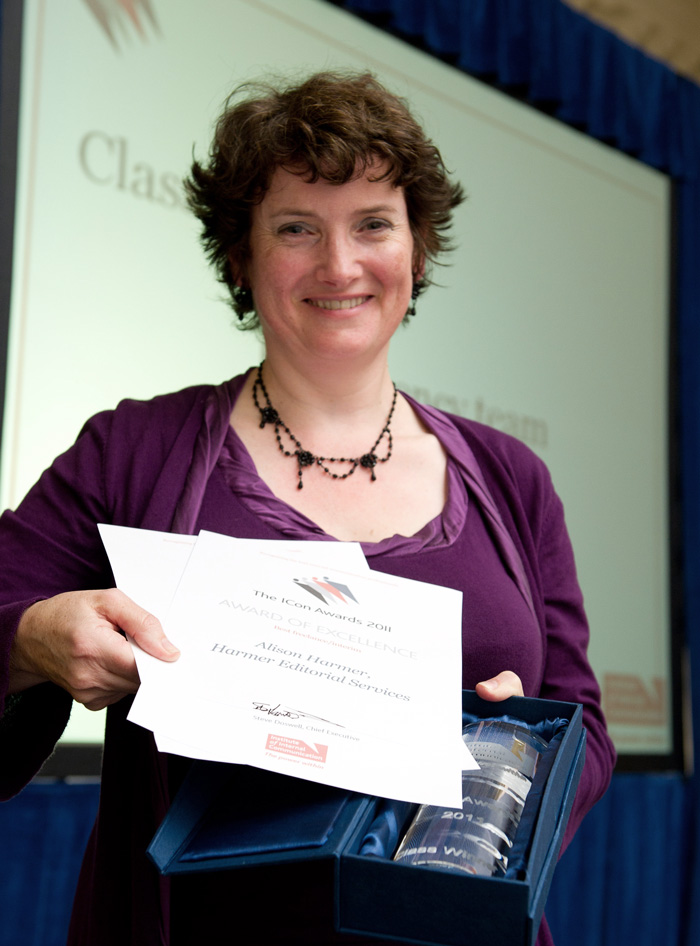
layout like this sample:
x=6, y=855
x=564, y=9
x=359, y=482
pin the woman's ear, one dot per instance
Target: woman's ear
x=418, y=267
x=235, y=270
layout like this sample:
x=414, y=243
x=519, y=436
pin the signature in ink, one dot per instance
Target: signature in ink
x=275, y=710
x=287, y=712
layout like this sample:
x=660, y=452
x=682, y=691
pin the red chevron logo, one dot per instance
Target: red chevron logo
x=122, y=19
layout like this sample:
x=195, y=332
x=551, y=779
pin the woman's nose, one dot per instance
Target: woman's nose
x=339, y=260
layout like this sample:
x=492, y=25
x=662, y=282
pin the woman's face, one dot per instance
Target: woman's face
x=331, y=266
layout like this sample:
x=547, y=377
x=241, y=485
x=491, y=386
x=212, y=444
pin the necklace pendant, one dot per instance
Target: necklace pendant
x=305, y=458
x=268, y=415
x=369, y=461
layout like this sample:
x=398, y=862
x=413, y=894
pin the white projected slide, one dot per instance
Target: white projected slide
x=551, y=321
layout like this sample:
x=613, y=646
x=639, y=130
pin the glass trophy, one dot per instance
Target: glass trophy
x=477, y=838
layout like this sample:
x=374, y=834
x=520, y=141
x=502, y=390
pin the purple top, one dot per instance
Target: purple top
x=463, y=474
x=173, y=464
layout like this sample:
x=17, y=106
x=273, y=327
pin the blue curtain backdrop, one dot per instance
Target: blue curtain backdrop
x=632, y=875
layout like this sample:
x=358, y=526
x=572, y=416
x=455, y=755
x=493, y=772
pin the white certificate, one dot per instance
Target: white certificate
x=301, y=665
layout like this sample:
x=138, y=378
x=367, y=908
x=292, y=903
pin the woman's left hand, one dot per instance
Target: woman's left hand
x=500, y=687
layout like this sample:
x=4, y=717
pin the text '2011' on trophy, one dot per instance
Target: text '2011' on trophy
x=477, y=838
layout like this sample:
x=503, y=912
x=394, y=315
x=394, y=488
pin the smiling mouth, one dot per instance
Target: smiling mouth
x=338, y=303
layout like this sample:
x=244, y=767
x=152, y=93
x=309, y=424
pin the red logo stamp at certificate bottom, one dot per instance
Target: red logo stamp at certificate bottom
x=296, y=748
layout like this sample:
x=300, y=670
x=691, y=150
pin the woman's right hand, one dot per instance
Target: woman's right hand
x=77, y=641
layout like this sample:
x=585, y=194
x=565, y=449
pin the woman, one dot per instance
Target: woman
x=323, y=207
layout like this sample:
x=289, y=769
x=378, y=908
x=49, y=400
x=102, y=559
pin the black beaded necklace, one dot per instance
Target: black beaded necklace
x=268, y=415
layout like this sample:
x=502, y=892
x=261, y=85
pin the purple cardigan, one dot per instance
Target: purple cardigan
x=162, y=464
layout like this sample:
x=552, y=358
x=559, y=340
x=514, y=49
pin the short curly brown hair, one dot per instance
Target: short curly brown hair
x=332, y=125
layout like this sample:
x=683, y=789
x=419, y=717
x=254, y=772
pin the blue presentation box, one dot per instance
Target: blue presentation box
x=236, y=818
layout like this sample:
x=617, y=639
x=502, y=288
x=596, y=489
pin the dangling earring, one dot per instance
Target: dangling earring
x=415, y=292
x=242, y=300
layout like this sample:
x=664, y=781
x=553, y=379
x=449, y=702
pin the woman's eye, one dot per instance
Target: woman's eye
x=375, y=225
x=292, y=228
